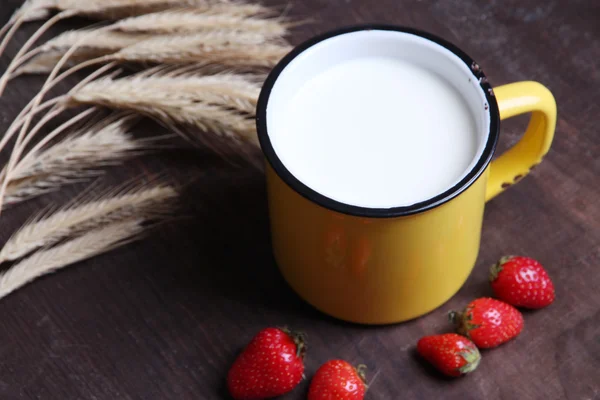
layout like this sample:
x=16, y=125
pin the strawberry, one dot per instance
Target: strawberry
x=337, y=379
x=488, y=322
x=451, y=354
x=522, y=282
x=271, y=365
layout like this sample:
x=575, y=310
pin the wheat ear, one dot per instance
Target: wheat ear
x=74, y=158
x=192, y=20
x=233, y=91
x=229, y=49
x=101, y=9
x=225, y=48
x=105, y=42
x=90, y=244
x=72, y=220
x=223, y=104
x=31, y=110
x=11, y=67
x=93, y=43
x=119, y=9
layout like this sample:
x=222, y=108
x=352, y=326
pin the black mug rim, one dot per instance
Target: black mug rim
x=358, y=211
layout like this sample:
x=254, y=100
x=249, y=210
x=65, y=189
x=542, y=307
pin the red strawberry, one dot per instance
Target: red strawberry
x=451, y=354
x=271, y=365
x=522, y=282
x=336, y=379
x=488, y=322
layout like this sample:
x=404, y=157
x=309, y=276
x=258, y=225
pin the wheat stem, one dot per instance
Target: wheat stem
x=27, y=45
x=57, y=109
x=14, y=26
x=23, y=60
x=7, y=27
x=30, y=10
x=19, y=147
x=20, y=119
x=16, y=153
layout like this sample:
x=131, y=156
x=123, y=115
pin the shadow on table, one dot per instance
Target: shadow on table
x=221, y=244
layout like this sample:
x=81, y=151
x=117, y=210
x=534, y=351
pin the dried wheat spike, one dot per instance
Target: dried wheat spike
x=88, y=245
x=223, y=48
x=223, y=104
x=229, y=90
x=91, y=44
x=45, y=231
x=229, y=48
x=100, y=9
x=230, y=17
x=76, y=157
x=33, y=10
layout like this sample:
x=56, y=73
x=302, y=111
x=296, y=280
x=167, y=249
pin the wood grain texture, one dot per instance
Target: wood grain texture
x=164, y=318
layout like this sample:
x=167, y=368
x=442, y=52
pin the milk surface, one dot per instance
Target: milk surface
x=376, y=132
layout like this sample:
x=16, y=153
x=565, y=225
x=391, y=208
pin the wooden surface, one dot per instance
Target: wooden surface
x=164, y=318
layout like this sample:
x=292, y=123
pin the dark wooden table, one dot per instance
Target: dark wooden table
x=164, y=318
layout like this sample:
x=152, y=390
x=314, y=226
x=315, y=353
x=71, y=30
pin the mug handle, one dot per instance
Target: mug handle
x=515, y=99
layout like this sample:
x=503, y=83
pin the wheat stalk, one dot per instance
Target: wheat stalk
x=88, y=245
x=24, y=118
x=72, y=159
x=27, y=115
x=5, y=77
x=31, y=10
x=72, y=220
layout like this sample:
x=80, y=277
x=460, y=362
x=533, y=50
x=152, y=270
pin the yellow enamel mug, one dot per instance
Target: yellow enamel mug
x=387, y=265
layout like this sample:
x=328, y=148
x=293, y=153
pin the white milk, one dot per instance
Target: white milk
x=376, y=132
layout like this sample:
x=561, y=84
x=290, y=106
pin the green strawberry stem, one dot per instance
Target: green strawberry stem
x=454, y=317
x=472, y=358
x=463, y=324
x=361, y=371
x=496, y=268
x=299, y=339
